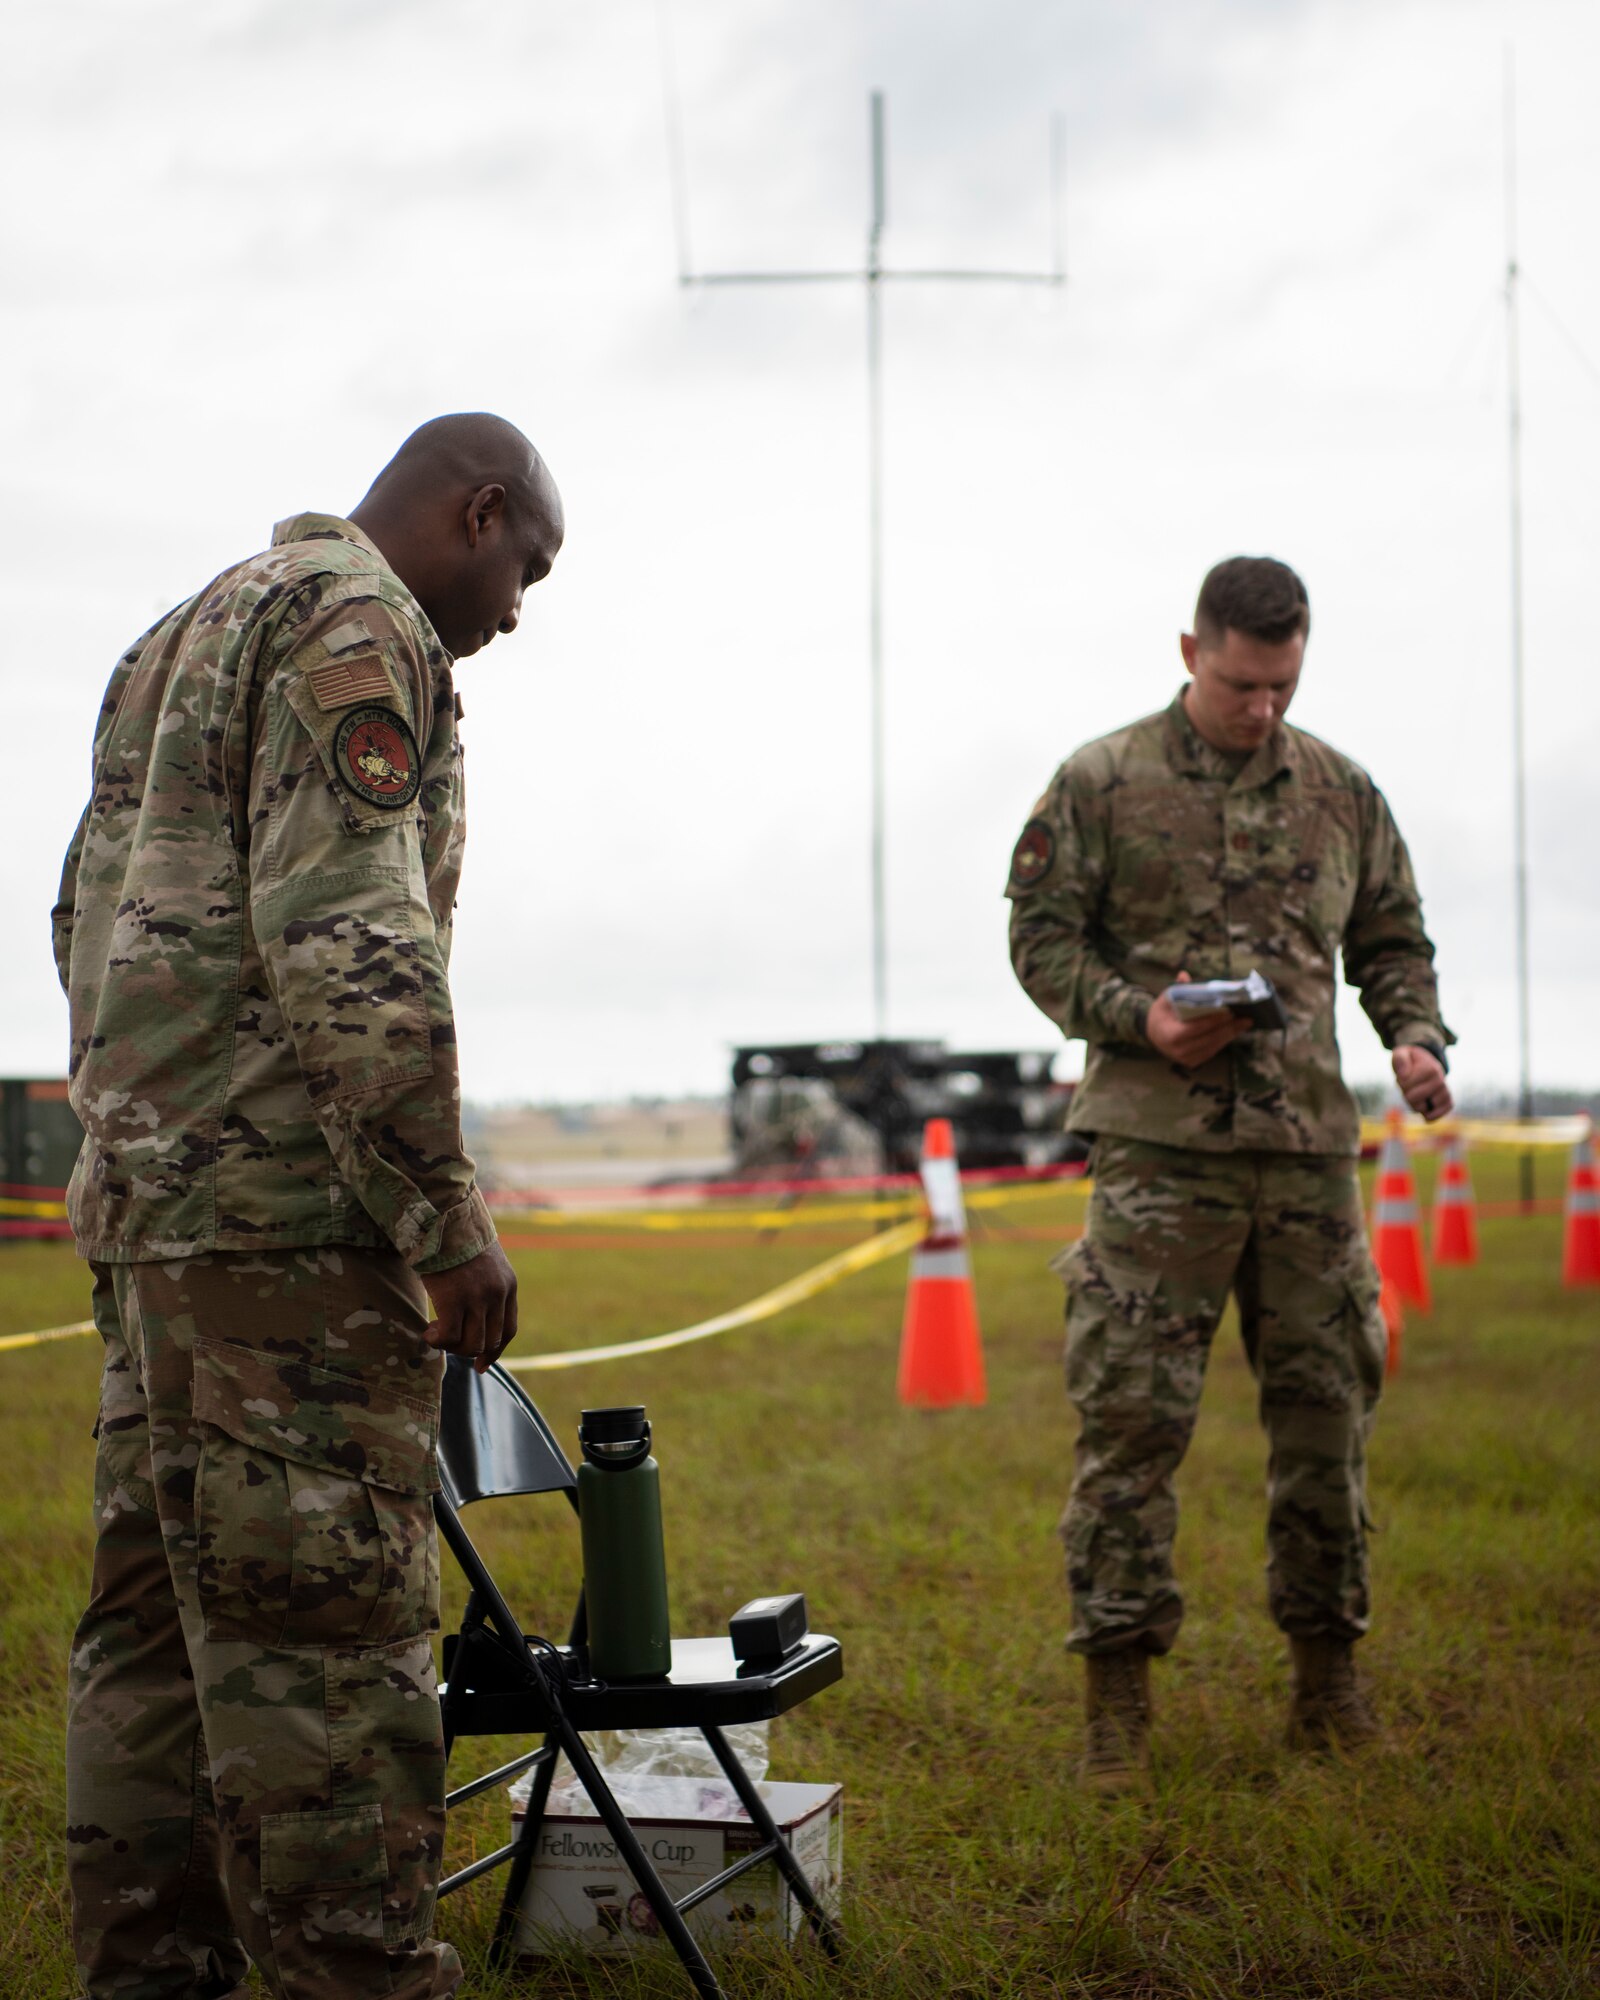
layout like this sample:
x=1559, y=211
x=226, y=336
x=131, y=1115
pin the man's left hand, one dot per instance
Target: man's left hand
x=1422, y=1082
x=475, y=1308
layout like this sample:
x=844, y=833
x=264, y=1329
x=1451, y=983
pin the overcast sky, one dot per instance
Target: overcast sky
x=249, y=244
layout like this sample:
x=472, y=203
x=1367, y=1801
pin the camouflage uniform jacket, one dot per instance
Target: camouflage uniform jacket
x=254, y=924
x=1151, y=854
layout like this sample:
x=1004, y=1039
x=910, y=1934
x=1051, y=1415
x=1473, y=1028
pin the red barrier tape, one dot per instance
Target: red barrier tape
x=26, y=1191
x=810, y=1235
x=599, y=1192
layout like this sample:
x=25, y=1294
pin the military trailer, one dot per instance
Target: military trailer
x=843, y=1107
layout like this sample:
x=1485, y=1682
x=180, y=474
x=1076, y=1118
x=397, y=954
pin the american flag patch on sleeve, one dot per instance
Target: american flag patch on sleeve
x=361, y=677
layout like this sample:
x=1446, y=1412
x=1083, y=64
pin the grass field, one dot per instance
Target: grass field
x=1461, y=1860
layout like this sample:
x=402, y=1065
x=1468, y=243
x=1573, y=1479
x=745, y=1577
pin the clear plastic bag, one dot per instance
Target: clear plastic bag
x=657, y=1773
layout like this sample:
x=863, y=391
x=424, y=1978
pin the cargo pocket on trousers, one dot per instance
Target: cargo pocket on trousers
x=322, y=1877
x=1111, y=1352
x=122, y=1438
x=313, y=1504
x=1370, y=1342
x=1369, y=1337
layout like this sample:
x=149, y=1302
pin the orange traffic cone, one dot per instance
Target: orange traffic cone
x=1455, y=1212
x=1580, y=1253
x=941, y=1353
x=1394, y=1325
x=1396, y=1227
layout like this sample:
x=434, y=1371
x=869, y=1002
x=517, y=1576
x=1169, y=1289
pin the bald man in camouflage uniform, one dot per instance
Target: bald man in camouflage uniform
x=1200, y=843
x=253, y=932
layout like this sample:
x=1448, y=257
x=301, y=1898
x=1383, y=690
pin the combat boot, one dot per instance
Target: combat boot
x=1116, y=1751
x=1327, y=1710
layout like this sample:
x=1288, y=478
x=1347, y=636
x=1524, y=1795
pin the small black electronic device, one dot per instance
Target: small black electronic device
x=1255, y=1000
x=768, y=1627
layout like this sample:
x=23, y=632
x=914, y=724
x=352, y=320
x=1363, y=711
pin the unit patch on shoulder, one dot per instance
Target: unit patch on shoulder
x=1034, y=855
x=360, y=677
x=377, y=757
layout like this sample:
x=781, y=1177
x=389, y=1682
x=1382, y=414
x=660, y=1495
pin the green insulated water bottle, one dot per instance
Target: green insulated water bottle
x=624, y=1558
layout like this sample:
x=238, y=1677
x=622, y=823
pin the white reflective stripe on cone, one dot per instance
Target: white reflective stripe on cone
x=1390, y=1212
x=952, y=1263
x=941, y=1181
x=1584, y=1201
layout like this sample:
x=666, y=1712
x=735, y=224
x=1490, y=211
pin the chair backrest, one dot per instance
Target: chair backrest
x=493, y=1441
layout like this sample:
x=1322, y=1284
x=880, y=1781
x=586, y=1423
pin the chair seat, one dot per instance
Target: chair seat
x=707, y=1685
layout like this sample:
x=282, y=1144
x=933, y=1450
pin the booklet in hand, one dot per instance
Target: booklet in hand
x=1254, y=1000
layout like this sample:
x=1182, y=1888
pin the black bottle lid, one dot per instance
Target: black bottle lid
x=623, y=1425
x=616, y=1440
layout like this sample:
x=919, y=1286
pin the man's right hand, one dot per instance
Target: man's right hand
x=1188, y=1039
x=475, y=1308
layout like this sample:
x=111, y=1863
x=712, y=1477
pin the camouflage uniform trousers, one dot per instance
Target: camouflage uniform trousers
x=1170, y=1231
x=255, y=1764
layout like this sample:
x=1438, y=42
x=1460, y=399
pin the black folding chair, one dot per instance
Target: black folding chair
x=500, y=1682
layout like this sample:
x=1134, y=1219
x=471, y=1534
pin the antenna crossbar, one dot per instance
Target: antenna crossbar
x=867, y=277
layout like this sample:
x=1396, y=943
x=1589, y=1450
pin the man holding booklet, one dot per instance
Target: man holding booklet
x=1212, y=847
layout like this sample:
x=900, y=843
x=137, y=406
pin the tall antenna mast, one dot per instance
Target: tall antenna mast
x=1519, y=781
x=873, y=277
x=874, y=283
x=677, y=177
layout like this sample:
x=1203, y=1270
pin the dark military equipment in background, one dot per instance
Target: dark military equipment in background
x=844, y=1106
x=39, y=1140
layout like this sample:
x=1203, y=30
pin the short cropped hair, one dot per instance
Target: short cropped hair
x=1255, y=595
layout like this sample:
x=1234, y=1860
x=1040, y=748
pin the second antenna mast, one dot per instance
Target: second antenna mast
x=873, y=276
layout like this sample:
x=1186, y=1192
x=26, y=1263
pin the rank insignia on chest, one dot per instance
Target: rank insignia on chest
x=1034, y=855
x=377, y=757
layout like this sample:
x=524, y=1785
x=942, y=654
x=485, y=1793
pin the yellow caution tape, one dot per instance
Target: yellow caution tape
x=1512, y=1132
x=859, y=1257
x=13, y=1205
x=996, y=1197
x=874, y=1250
x=46, y=1333
x=809, y=1215
x=1516, y=1133
x=669, y=1219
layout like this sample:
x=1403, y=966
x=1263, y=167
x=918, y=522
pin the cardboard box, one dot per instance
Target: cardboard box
x=580, y=1893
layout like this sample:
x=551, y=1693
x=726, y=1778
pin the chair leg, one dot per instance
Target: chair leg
x=505, y=1924
x=639, y=1863
x=828, y=1932
x=471, y=1618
